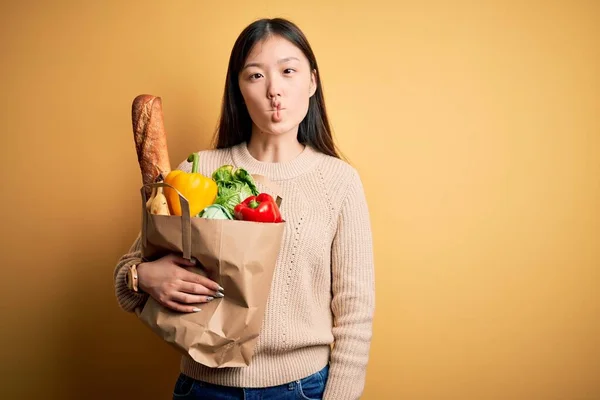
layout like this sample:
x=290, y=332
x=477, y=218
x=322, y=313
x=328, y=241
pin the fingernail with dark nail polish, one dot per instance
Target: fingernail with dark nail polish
x=220, y=288
x=219, y=294
x=210, y=298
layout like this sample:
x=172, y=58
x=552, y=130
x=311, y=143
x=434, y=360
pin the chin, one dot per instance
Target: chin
x=278, y=129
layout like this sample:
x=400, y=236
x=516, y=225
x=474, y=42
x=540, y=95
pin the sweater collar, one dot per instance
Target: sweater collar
x=301, y=164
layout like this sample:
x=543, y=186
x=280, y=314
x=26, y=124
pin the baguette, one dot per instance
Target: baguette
x=150, y=138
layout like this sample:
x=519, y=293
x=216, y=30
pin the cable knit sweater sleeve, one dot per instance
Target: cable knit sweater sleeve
x=353, y=296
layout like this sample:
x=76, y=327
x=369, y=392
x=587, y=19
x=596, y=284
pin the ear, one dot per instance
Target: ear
x=313, y=82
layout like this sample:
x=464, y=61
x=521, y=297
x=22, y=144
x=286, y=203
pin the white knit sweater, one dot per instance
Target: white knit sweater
x=323, y=287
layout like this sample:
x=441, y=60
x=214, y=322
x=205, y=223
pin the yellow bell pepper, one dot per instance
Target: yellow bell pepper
x=199, y=190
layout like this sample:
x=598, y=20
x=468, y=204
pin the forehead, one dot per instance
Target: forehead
x=274, y=48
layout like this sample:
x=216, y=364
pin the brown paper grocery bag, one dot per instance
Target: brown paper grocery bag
x=238, y=255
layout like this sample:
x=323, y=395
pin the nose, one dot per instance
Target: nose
x=274, y=88
x=273, y=93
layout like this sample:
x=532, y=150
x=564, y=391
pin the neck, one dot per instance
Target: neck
x=274, y=148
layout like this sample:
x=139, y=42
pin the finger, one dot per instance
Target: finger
x=183, y=262
x=188, y=276
x=181, y=307
x=186, y=298
x=194, y=288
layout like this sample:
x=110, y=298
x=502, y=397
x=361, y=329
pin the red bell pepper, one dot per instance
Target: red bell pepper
x=261, y=208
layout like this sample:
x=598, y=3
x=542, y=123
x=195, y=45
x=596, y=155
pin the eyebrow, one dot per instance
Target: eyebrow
x=282, y=61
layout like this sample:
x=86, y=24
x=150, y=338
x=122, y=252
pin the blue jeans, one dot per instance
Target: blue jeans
x=310, y=388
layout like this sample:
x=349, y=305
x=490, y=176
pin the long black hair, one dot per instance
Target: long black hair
x=235, y=124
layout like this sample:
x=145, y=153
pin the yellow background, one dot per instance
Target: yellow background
x=473, y=124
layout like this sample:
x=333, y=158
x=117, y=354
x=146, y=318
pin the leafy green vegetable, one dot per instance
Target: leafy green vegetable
x=223, y=174
x=215, y=211
x=243, y=176
x=234, y=186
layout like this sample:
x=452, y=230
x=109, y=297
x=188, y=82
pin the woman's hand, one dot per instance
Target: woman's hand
x=170, y=284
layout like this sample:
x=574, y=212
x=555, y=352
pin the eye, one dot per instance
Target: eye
x=256, y=76
x=288, y=71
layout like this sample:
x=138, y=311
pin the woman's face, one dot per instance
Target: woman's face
x=277, y=83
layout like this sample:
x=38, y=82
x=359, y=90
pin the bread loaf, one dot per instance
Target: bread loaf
x=150, y=138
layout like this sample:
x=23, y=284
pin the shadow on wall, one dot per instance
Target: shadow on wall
x=188, y=129
x=104, y=352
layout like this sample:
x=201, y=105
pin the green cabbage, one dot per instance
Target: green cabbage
x=215, y=211
x=234, y=186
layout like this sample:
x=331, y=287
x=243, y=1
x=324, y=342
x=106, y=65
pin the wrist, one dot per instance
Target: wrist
x=132, y=278
x=140, y=281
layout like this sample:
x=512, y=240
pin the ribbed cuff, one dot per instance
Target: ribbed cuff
x=127, y=298
x=339, y=386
